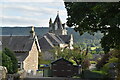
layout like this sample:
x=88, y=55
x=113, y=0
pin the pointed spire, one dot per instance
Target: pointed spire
x=58, y=21
x=50, y=25
x=50, y=21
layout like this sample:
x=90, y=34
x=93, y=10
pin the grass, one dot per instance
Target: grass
x=39, y=71
x=45, y=61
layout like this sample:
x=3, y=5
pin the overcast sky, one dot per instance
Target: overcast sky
x=30, y=12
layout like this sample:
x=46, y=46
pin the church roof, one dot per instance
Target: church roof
x=49, y=40
x=52, y=37
x=21, y=56
x=17, y=43
x=45, y=43
x=65, y=38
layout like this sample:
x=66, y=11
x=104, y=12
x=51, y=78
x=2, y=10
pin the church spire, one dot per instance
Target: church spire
x=50, y=21
x=57, y=27
x=58, y=22
x=50, y=25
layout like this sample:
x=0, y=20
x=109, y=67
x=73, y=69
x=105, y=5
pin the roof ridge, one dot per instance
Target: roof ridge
x=60, y=39
x=48, y=41
x=55, y=38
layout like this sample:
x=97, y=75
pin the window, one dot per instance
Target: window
x=20, y=65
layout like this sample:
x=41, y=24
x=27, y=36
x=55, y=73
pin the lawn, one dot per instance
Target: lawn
x=45, y=61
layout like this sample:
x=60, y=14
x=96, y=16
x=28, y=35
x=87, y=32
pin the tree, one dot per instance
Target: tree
x=6, y=61
x=12, y=58
x=93, y=17
x=61, y=53
x=79, y=56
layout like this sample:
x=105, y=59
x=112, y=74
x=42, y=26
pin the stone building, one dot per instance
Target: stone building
x=26, y=49
x=57, y=36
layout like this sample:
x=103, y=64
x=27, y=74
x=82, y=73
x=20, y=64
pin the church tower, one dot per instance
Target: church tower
x=57, y=27
x=50, y=25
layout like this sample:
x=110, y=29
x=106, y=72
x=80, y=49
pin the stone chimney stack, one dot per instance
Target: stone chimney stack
x=32, y=32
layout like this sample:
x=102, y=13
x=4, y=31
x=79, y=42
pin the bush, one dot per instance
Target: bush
x=13, y=60
x=6, y=61
x=103, y=61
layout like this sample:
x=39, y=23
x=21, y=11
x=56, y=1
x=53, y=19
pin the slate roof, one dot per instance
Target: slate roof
x=21, y=56
x=17, y=43
x=49, y=40
x=45, y=43
x=54, y=39
x=61, y=59
x=65, y=38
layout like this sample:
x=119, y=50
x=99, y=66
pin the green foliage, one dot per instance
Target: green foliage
x=6, y=61
x=103, y=61
x=115, y=58
x=105, y=68
x=93, y=17
x=93, y=62
x=44, y=61
x=12, y=58
x=77, y=55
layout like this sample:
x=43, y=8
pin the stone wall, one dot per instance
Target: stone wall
x=31, y=62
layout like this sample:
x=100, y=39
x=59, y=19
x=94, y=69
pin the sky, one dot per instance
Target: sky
x=30, y=12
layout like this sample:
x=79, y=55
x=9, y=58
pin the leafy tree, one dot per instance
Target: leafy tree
x=6, y=61
x=115, y=58
x=13, y=58
x=103, y=61
x=80, y=57
x=93, y=17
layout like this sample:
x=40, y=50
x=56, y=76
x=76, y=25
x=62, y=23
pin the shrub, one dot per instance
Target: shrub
x=13, y=59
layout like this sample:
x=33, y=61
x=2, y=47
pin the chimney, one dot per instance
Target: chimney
x=32, y=32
